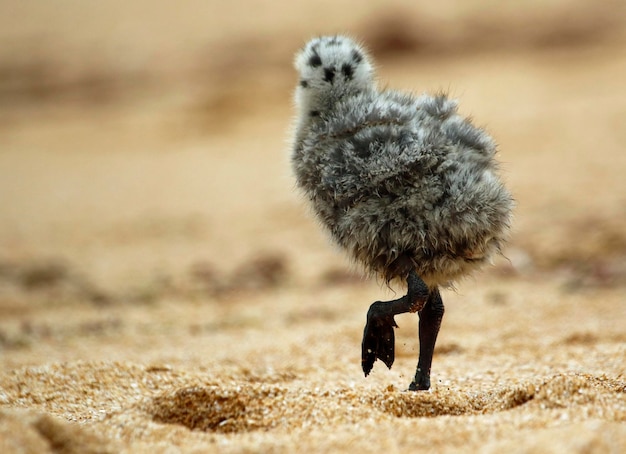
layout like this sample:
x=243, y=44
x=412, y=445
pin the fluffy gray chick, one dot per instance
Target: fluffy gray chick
x=404, y=184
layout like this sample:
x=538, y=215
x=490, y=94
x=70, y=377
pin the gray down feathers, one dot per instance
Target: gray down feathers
x=400, y=182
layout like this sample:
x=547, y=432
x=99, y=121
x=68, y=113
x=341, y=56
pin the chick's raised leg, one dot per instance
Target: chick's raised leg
x=378, y=336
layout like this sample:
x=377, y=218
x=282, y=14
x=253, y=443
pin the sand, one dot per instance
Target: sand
x=164, y=289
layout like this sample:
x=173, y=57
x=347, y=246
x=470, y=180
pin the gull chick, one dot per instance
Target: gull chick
x=404, y=184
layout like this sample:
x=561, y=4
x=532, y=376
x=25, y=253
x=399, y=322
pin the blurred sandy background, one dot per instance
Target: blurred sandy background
x=164, y=289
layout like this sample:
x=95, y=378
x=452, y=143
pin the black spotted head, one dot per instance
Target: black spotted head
x=330, y=67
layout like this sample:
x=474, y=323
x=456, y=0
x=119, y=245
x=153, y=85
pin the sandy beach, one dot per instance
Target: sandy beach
x=164, y=288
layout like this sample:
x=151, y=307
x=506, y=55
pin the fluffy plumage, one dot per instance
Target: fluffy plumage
x=401, y=182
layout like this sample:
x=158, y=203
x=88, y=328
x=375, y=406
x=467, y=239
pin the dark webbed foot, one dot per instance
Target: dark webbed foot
x=378, y=336
x=421, y=382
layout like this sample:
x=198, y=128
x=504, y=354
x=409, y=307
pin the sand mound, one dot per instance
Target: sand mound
x=28, y=431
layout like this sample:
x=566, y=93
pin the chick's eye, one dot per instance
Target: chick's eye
x=315, y=61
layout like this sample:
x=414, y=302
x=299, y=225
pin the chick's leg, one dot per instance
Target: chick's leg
x=378, y=336
x=430, y=322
